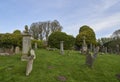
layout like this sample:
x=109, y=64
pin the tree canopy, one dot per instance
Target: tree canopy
x=55, y=38
x=8, y=40
x=88, y=33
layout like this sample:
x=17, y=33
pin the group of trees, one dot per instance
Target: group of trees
x=41, y=30
x=8, y=40
x=50, y=31
x=52, y=34
x=87, y=33
x=69, y=41
x=112, y=43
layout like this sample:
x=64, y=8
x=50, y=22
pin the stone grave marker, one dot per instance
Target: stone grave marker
x=117, y=49
x=118, y=76
x=96, y=50
x=29, y=65
x=26, y=42
x=35, y=45
x=17, y=50
x=89, y=60
x=61, y=47
x=30, y=59
x=106, y=50
x=84, y=46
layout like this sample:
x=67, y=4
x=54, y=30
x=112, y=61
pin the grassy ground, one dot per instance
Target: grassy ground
x=50, y=65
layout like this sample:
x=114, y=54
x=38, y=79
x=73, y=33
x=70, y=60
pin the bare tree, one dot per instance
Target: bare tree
x=41, y=30
x=116, y=34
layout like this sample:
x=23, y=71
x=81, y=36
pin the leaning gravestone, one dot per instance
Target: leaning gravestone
x=30, y=62
x=29, y=65
x=26, y=42
x=89, y=60
x=61, y=47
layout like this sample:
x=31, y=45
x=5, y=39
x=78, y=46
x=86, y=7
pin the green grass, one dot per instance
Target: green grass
x=48, y=65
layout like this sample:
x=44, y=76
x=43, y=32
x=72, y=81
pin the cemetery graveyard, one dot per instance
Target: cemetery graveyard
x=60, y=41
x=50, y=64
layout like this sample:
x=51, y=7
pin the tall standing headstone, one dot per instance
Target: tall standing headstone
x=84, y=46
x=91, y=47
x=26, y=42
x=96, y=50
x=117, y=49
x=61, y=47
x=106, y=50
x=35, y=45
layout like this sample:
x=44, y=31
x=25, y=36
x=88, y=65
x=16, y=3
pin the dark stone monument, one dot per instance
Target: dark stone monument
x=89, y=60
x=118, y=76
x=62, y=78
x=117, y=49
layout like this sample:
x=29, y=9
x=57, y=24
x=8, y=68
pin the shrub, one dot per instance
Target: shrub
x=55, y=38
x=8, y=40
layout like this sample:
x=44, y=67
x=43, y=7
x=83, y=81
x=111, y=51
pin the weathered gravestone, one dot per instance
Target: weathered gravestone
x=32, y=52
x=17, y=50
x=89, y=60
x=62, y=78
x=96, y=50
x=61, y=47
x=29, y=65
x=91, y=47
x=35, y=45
x=106, y=50
x=117, y=49
x=30, y=62
x=84, y=46
x=118, y=76
x=26, y=42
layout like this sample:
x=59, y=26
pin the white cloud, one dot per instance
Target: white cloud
x=106, y=22
x=104, y=5
x=98, y=19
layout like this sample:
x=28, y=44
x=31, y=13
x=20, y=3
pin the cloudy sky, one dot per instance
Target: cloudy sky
x=103, y=16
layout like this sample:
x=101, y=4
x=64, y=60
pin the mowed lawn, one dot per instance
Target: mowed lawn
x=50, y=66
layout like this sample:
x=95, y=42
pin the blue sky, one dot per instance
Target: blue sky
x=103, y=16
